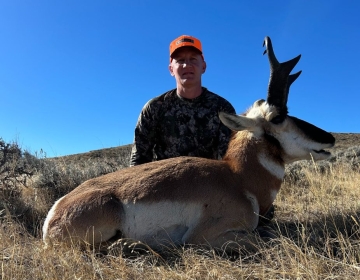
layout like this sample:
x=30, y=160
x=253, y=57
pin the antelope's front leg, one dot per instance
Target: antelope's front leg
x=227, y=233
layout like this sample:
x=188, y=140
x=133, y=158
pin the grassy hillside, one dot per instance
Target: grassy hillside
x=317, y=224
x=343, y=141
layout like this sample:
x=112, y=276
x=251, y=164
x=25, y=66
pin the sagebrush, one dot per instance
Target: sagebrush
x=317, y=224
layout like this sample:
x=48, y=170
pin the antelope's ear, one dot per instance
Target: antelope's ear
x=236, y=122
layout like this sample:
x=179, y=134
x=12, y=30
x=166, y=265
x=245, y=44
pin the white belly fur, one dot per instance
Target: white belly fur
x=162, y=222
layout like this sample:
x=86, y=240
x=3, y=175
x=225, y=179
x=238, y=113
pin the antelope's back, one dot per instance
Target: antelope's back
x=175, y=179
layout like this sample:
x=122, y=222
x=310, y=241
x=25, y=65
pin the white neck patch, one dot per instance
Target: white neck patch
x=273, y=167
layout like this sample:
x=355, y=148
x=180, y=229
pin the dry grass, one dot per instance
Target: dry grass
x=317, y=220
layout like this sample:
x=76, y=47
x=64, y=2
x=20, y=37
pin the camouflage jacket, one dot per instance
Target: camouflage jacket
x=171, y=126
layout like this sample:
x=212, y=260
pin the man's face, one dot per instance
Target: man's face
x=187, y=66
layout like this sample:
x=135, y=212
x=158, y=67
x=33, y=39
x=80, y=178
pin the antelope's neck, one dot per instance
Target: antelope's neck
x=246, y=155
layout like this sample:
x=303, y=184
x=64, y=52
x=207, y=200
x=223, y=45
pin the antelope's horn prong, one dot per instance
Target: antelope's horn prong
x=280, y=78
x=291, y=79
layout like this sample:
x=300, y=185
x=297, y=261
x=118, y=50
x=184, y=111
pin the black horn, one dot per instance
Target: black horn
x=280, y=78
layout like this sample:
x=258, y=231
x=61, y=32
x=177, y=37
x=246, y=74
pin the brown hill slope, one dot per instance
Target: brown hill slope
x=346, y=140
x=343, y=141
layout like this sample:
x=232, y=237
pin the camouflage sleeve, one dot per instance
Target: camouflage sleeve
x=225, y=132
x=145, y=137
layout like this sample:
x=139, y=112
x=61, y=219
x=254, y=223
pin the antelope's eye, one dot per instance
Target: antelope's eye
x=277, y=120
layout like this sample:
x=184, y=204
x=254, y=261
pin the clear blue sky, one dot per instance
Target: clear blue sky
x=74, y=75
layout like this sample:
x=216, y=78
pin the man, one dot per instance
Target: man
x=183, y=121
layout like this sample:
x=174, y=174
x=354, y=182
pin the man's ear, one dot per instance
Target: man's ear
x=204, y=67
x=171, y=70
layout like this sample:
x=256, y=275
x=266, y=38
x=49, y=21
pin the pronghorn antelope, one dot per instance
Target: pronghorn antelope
x=189, y=200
